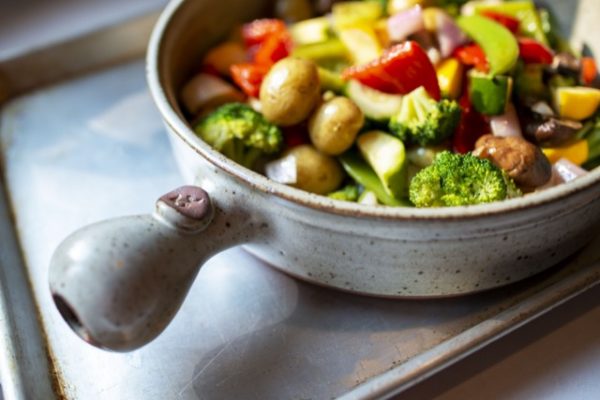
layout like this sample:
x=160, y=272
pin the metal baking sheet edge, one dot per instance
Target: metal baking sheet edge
x=27, y=366
x=423, y=366
x=20, y=366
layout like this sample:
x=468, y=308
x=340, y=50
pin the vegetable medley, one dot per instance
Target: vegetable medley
x=403, y=102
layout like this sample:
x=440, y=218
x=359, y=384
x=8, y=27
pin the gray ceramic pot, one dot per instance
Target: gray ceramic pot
x=118, y=283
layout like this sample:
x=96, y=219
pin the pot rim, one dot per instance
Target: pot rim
x=260, y=182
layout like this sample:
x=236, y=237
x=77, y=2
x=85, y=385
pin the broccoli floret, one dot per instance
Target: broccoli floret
x=460, y=180
x=512, y=190
x=240, y=133
x=424, y=121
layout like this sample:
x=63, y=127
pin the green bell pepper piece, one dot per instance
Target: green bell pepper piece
x=489, y=94
x=498, y=43
x=591, y=134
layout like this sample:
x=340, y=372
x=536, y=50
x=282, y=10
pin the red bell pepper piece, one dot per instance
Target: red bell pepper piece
x=472, y=55
x=274, y=48
x=533, y=52
x=400, y=70
x=267, y=41
x=295, y=136
x=511, y=23
x=256, y=32
x=589, y=71
x=249, y=77
x=472, y=126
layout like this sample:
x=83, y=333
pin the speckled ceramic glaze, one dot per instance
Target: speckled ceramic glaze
x=381, y=251
x=373, y=250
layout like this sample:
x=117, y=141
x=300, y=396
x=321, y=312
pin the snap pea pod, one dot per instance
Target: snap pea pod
x=498, y=43
x=525, y=11
x=363, y=174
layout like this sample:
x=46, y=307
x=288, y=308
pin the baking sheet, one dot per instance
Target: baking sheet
x=93, y=147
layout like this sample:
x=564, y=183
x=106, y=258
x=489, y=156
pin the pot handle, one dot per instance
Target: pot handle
x=119, y=283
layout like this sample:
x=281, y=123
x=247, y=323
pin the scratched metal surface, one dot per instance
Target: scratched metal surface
x=93, y=148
